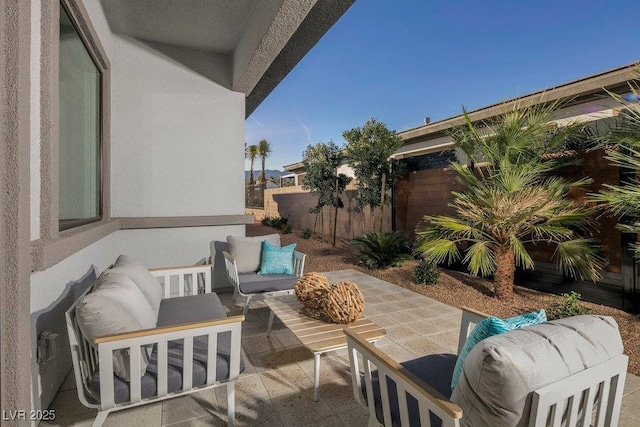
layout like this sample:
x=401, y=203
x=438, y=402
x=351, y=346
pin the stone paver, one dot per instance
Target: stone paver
x=276, y=388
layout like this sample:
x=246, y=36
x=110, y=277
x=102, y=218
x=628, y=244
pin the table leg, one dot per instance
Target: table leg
x=316, y=376
x=270, y=323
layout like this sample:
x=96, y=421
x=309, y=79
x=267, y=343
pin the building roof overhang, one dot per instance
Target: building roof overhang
x=246, y=46
x=580, y=91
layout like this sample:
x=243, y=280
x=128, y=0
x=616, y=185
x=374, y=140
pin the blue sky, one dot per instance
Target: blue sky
x=403, y=60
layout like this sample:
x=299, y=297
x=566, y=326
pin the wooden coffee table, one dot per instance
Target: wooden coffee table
x=318, y=336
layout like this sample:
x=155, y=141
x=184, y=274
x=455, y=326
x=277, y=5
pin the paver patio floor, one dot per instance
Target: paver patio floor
x=276, y=389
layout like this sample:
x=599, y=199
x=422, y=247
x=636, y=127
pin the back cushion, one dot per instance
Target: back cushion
x=247, y=251
x=115, y=305
x=501, y=372
x=146, y=282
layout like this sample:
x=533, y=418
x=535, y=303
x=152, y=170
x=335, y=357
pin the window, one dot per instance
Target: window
x=80, y=139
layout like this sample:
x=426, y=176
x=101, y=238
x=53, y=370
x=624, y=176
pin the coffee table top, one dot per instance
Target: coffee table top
x=316, y=335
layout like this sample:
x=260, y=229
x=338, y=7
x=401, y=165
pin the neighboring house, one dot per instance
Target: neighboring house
x=123, y=132
x=426, y=189
x=427, y=150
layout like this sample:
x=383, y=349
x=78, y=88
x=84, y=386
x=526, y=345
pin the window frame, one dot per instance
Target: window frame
x=64, y=225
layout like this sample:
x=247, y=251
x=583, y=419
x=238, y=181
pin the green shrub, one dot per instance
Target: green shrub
x=286, y=229
x=266, y=221
x=277, y=222
x=381, y=250
x=427, y=272
x=570, y=305
x=306, y=233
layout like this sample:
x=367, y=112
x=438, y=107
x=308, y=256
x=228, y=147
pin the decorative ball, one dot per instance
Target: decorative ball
x=310, y=289
x=343, y=303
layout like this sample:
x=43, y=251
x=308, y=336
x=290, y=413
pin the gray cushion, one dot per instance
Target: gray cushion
x=173, y=311
x=247, y=251
x=501, y=372
x=147, y=283
x=434, y=369
x=115, y=305
x=251, y=283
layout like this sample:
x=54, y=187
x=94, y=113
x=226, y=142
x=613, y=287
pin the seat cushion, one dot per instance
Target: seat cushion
x=247, y=251
x=146, y=282
x=501, y=372
x=173, y=311
x=434, y=369
x=252, y=283
x=115, y=305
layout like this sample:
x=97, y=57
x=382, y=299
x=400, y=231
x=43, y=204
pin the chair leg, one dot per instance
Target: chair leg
x=102, y=415
x=231, y=403
x=246, y=306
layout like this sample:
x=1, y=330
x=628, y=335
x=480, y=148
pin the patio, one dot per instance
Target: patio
x=276, y=389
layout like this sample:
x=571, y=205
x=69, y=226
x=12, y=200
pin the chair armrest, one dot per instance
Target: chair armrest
x=165, y=329
x=298, y=263
x=470, y=318
x=404, y=379
x=193, y=272
x=232, y=270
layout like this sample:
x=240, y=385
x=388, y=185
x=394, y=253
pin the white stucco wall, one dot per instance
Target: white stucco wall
x=177, y=149
x=52, y=292
x=177, y=139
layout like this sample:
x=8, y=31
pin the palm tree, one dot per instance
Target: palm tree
x=264, y=149
x=623, y=200
x=251, y=153
x=510, y=199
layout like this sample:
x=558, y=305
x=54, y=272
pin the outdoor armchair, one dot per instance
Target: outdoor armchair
x=565, y=372
x=242, y=263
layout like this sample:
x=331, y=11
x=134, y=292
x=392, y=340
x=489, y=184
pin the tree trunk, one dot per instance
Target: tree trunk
x=504, y=274
x=384, y=179
x=335, y=215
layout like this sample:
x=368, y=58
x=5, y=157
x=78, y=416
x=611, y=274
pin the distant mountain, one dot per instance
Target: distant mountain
x=268, y=172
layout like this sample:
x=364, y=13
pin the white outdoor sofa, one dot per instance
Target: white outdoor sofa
x=567, y=372
x=191, y=335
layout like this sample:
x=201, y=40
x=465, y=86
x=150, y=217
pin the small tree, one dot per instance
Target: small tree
x=321, y=162
x=368, y=151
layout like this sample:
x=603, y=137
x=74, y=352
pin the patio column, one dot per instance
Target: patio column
x=15, y=240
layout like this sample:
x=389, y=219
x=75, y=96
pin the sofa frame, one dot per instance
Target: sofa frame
x=601, y=387
x=232, y=275
x=88, y=355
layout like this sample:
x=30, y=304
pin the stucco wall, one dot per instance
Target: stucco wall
x=52, y=292
x=176, y=150
x=176, y=138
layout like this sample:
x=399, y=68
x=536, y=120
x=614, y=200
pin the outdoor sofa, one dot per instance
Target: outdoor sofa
x=138, y=336
x=566, y=372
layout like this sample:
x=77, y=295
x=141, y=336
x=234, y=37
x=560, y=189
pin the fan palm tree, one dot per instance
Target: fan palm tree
x=510, y=199
x=623, y=200
x=264, y=149
x=251, y=153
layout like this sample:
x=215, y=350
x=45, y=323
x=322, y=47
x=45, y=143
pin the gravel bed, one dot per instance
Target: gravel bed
x=453, y=288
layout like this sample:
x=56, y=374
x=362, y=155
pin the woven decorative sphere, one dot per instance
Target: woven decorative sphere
x=310, y=290
x=343, y=303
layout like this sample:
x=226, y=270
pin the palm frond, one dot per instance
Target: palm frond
x=580, y=258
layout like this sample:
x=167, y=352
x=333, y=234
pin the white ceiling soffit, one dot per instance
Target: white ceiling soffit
x=247, y=46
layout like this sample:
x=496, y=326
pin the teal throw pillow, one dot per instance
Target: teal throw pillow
x=276, y=260
x=493, y=326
